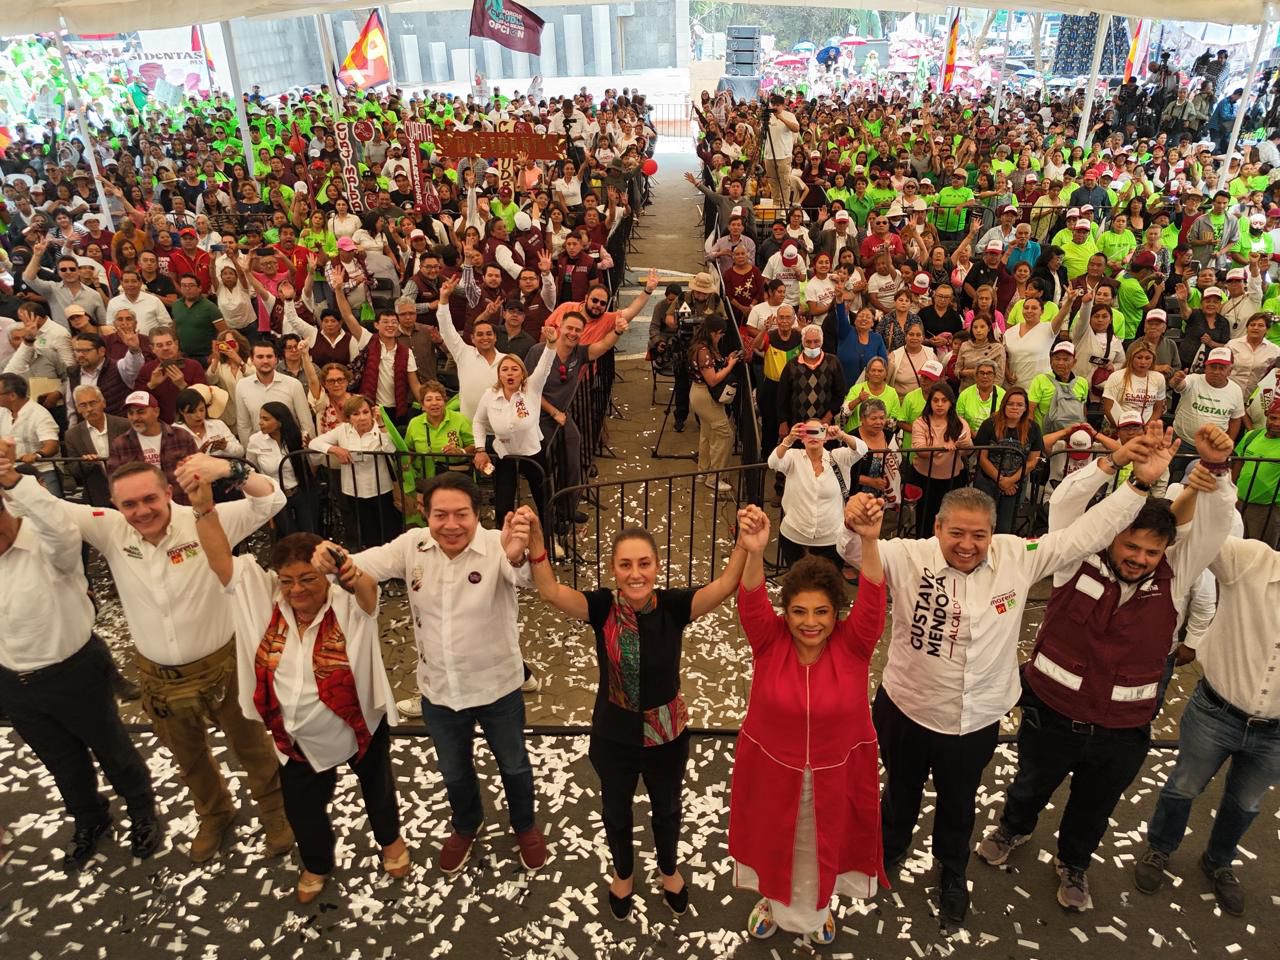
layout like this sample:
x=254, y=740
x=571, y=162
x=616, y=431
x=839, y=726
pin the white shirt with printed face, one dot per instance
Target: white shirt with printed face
x=953, y=652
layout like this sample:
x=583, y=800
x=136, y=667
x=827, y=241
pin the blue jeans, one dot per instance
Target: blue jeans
x=1209, y=735
x=453, y=731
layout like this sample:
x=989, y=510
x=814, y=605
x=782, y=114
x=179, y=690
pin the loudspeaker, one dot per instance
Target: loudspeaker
x=742, y=51
x=740, y=31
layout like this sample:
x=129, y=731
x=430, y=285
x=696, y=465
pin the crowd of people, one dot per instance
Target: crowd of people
x=920, y=310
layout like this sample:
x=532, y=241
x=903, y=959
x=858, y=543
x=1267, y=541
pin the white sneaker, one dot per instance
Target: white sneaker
x=719, y=485
x=532, y=685
x=410, y=707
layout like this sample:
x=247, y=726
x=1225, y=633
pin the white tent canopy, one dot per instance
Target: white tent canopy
x=114, y=16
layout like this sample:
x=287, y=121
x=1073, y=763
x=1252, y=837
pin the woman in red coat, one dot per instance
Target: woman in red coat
x=804, y=813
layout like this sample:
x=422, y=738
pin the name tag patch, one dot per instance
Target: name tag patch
x=1089, y=587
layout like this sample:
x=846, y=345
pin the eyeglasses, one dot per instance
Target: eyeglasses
x=597, y=302
x=68, y=269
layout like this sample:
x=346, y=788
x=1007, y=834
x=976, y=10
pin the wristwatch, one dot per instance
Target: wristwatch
x=1141, y=485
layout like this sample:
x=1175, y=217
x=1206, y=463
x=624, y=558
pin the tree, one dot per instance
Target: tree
x=791, y=25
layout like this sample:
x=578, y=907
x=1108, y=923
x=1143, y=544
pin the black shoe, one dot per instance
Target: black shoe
x=621, y=907
x=678, y=426
x=84, y=843
x=1226, y=886
x=125, y=690
x=145, y=837
x=953, y=898
x=678, y=901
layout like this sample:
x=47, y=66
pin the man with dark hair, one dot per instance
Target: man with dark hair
x=66, y=290
x=54, y=677
x=151, y=440
x=952, y=672
x=1091, y=686
x=93, y=367
x=462, y=582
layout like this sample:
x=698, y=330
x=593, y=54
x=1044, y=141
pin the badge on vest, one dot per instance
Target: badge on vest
x=474, y=576
x=1089, y=587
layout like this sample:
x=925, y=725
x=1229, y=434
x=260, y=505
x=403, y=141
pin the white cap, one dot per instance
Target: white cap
x=921, y=283
x=1258, y=220
x=1237, y=273
x=995, y=246
x=417, y=235
x=842, y=216
x=523, y=221
x=932, y=369
x=1157, y=314
x=1216, y=355
x=301, y=187
x=1214, y=292
x=1063, y=346
x=1080, y=444
x=1082, y=224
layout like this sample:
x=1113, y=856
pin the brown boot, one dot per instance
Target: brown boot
x=210, y=837
x=279, y=835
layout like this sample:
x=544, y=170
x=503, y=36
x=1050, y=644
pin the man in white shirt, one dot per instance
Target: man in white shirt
x=1209, y=397
x=1234, y=713
x=148, y=309
x=477, y=362
x=462, y=583
x=265, y=385
x=182, y=629
x=54, y=679
x=777, y=140
x=32, y=427
x=952, y=672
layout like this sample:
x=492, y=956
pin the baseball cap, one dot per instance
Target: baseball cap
x=74, y=310
x=346, y=243
x=1008, y=208
x=1214, y=292
x=141, y=398
x=1080, y=444
x=300, y=186
x=1082, y=224
x=932, y=369
x=1258, y=220
x=1220, y=355
x=504, y=193
x=1236, y=274
x=1086, y=208
x=1073, y=213
x=842, y=216
x=493, y=172
x=1144, y=258
x=920, y=284
x=523, y=221
x=1157, y=314
x=417, y=235
x=790, y=257
x=1273, y=213
x=1064, y=346
x=187, y=232
x=995, y=246
x=1129, y=419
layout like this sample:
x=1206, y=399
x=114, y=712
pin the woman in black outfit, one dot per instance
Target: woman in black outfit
x=638, y=726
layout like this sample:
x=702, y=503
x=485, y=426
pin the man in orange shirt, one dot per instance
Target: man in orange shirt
x=600, y=319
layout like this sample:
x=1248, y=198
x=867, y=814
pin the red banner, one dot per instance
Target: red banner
x=368, y=62
x=949, y=61
x=350, y=173
x=508, y=24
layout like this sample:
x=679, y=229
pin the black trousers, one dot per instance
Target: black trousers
x=506, y=483
x=67, y=715
x=1101, y=762
x=910, y=753
x=683, y=381
x=377, y=521
x=789, y=552
x=619, y=767
x=307, y=795
x=931, y=501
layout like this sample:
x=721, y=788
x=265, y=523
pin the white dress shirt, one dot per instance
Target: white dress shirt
x=365, y=476
x=475, y=373
x=812, y=504
x=252, y=393
x=266, y=456
x=33, y=427
x=513, y=423
x=215, y=430
x=1240, y=652
x=174, y=604
x=324, y=738
x=953, y=654
x=50, y=338
x=43, y=562
x=149, y=310
x=464, y=614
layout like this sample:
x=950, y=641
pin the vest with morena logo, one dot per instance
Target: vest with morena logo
x=114, y=389
x=1100, y=661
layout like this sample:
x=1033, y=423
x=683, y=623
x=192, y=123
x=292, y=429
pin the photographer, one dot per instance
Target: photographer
x=701, y=303
x=776, y=143
x=711, y=384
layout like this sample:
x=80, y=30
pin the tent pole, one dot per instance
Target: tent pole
x=237, y=96
x=330, y=56
x=385, y=13
x=73, y=92
x=1004, y=66
x=1242, y=107
x=1099, y=45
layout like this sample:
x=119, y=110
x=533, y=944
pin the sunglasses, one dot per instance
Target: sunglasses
x=564, y=373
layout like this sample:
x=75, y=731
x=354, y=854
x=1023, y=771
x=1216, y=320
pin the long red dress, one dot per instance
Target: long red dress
x=815, y=716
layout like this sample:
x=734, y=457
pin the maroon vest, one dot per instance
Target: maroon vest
x=114, y=389
x=322, y=352
x=369, y=382
x=1096, y=660
x=535, y=313
x=576, y=275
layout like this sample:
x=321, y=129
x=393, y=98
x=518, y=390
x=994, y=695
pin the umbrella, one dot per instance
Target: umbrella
x=827, y=55
x=910, y=54
x=804, y=46
x=1016, y=64
x=853, y=41
x=790, y=60
x=1062, y=82
x=1027, y=74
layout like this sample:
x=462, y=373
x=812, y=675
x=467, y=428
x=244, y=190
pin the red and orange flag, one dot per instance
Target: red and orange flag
x=367, y=64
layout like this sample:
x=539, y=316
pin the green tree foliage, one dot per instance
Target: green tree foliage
x=791, y=25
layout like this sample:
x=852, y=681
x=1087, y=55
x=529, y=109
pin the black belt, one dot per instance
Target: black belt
x=45, y=673
x=1218, y=700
